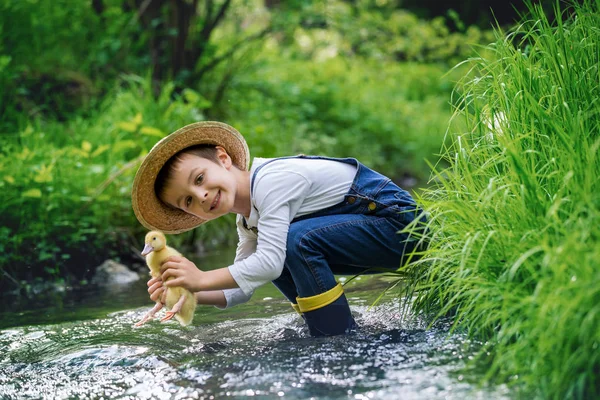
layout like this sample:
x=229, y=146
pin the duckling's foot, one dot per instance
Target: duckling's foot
x=150, y=314
x=168, y=316
x=174, y=310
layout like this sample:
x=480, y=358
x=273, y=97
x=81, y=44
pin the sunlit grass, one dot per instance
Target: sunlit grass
x=515, y=219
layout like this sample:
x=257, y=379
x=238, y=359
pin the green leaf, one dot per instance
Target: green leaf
x=86, y=146
x=127, y=126
x=191, y=96
x=196, y=99
x=43, y=174
x=32, y=193
x=137, y=119
x=79, y=152
x=4, y=61
x=150, y=131
x=123, y=145
x=27, y=132
x=25, y=154
x=101, y=149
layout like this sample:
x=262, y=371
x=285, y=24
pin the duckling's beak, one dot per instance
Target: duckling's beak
x=147, y=250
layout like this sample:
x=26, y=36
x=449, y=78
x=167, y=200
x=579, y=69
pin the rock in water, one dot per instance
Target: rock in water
x=113, y=273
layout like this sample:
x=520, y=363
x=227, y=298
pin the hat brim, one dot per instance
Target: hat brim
x=148, y=208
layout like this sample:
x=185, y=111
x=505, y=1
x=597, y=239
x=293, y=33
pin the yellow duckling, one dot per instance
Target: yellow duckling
x=181, y=302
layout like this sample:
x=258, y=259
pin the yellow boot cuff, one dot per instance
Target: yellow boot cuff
x=321, y=300
x=295, y=307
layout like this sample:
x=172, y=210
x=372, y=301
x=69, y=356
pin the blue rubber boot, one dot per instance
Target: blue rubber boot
x=327, y=314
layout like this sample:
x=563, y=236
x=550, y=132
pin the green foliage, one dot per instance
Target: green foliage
x=515, y=218
x=65, y=188
x=384, y=33
x=347, y=108
x=77, y=121
x=52, y=54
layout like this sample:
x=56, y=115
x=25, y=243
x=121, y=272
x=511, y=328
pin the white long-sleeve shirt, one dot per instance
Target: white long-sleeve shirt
x=283, y=190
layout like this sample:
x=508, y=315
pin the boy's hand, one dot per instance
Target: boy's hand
x=156, y=290
x=184, y=273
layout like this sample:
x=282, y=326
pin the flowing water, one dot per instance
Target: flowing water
x=82, y=345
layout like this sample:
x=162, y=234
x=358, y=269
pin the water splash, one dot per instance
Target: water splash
x=265, y=357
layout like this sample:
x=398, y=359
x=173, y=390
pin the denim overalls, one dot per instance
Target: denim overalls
x=350, y=237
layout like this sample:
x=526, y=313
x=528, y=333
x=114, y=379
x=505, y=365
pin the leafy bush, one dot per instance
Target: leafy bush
x=391, y=116
x=57, y=57
x=516, y=216
x=65, y=188
x=384, y=33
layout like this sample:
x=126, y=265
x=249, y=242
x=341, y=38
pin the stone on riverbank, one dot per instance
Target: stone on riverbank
x=113, y=273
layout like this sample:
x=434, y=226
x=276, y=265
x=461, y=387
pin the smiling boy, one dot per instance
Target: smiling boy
x=300, y=220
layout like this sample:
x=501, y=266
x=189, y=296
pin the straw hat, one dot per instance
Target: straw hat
x=149, y=210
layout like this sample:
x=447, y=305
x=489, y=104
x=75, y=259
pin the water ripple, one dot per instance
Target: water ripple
x=261, y=357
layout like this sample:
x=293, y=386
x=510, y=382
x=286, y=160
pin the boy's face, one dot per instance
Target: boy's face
x=202, y=187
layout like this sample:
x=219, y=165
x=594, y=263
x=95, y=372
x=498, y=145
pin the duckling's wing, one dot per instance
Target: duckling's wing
x=169, y=251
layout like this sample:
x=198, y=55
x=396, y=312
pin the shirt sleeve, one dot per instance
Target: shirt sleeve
x=245, y=247
x=278, y=195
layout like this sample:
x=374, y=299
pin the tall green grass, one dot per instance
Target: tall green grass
x=515, y=219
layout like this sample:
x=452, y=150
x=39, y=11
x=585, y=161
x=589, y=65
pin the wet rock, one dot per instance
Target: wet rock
x=112, y=273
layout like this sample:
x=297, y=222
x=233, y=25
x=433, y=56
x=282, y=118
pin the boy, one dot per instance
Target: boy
x=299, y=220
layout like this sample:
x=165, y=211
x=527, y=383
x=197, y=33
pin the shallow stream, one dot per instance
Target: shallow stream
x=82, y=345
